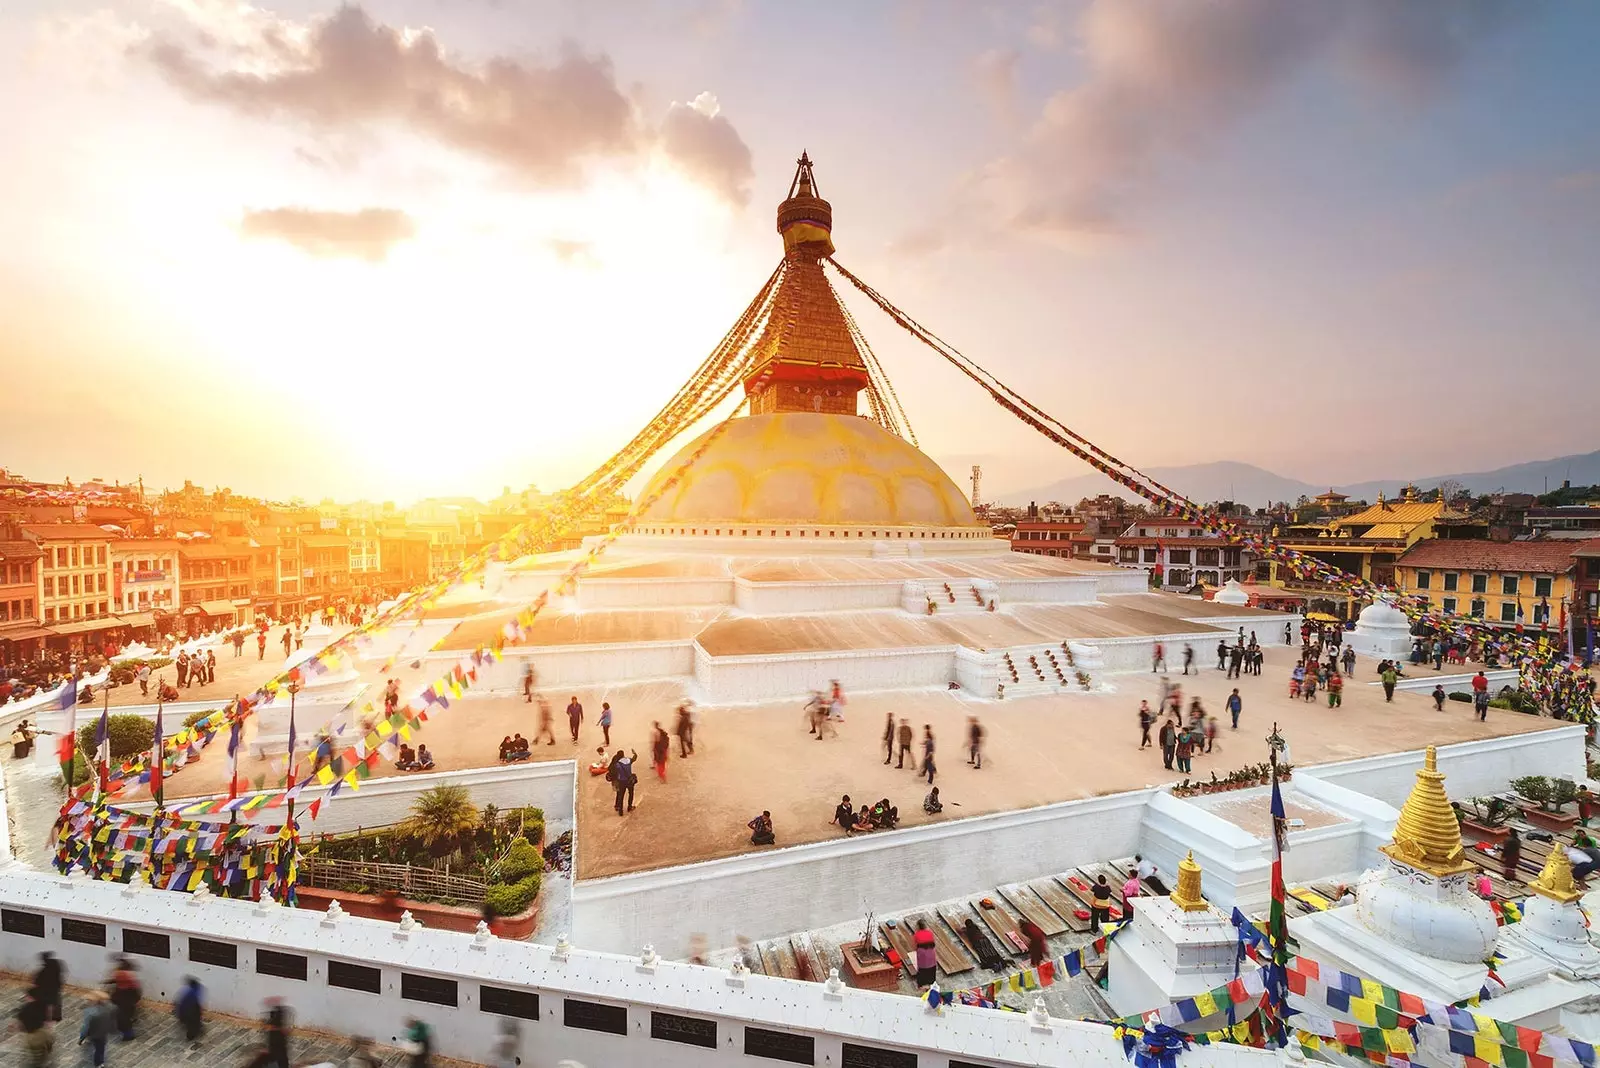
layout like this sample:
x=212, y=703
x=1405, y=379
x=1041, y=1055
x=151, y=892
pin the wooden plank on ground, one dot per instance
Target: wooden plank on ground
x=813, y=968
x=1091, y=874
x=1030, y=905
x=952, y=957
x=769, y=959
x=1061, y=903
x=783, y=955
x=1004, y=926
x=956, y=920
x=900, y=938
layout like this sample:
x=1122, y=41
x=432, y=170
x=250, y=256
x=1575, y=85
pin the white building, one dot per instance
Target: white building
x=145, y=575
x=1185, y=552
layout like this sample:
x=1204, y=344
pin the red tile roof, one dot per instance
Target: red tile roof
x=1510, y=557
x=66, y=532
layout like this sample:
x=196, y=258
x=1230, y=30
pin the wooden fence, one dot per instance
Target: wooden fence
x=405, y=879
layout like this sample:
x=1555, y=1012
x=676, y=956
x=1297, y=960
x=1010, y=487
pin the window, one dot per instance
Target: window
x=689, y=1030
x=1477, y=608
x=1480, y=583
x=1541, y=613
x=49, y=615
x=355, y=977
x=1508, y=611
x=1178, y=556
x=86, y=931
x=1149, y=556
x=50, y=589
x=216, y=954
x=1542, y=587
x=1450, y=605
x=74, y=556
x=593, y=1016
x=523, y=1004
x=1208, y=557
x=283, y=965
x=75, y=583
x=22, y=923
x=100, y=583
x=433, y=990
x=1424, y=580
x=1171, y=532
x=146, y=943
x=1508, y=585
x=1451, y=578
x=779, y=1046
x=872, y=1057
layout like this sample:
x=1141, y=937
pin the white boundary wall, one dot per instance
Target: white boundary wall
x=452, y=968
x=761, y=895
x=765, y=678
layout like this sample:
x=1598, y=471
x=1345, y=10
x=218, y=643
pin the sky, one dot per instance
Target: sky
x=415, y=247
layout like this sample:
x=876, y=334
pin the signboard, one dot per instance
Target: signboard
x=329, y=523
x=149, y=576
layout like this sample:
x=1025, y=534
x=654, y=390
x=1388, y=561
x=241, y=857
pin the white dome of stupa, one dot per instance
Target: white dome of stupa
x=1232, y=593
x=1383, y=615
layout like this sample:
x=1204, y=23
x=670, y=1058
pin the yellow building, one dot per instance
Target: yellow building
x=1500, y=582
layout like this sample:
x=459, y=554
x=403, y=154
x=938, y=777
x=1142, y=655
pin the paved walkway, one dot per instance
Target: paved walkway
x=227, y=1042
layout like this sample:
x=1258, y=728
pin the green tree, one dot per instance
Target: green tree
x=442, y=816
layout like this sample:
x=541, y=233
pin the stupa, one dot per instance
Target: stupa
x=1382, y=631
x=812, y=541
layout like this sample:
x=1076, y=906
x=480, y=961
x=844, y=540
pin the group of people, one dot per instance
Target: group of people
x=1240, y=658
x=414, y=760
x=1310, y=675
x=825, y=711
x=897, y=743
x=1181, y=737
x=879, y=817
x=514, y=749
x=1480, y=695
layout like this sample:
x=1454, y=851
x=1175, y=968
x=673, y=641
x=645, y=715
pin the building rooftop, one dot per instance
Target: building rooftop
x=1545, y=557
x=66, y=532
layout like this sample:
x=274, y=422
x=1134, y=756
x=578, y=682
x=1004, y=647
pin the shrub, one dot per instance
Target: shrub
x=521, y=861
x=508, y=899
x=1460, y=696
x=1548, y=794
x=195, y=717
x=130, y=735
x=442, y=815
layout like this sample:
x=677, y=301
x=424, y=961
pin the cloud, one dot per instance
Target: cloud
x=542, y=121
x=696, y=138
x=368, y=234
x=1168, y=79
x=995, y=73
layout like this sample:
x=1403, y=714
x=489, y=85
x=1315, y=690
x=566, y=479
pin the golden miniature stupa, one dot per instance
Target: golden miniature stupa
x=1555, y=879
x=1427, y=835
x=804, y=455
x=1187, y=896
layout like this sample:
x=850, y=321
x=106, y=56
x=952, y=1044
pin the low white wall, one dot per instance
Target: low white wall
x=761, y=895
x=1471, y=769
x=450, y=967
x=785, y=598
x=764, y=678
x=410, y=639
x=385, y=801
x=1453, y=683
x=582, y=665
x=1084, y=589
x=1135, y=654
x=653, y=592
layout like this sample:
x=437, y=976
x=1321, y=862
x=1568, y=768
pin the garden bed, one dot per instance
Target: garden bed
x=518, y=926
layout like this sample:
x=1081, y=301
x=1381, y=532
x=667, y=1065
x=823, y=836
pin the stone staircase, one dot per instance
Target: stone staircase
x=955, y=595
x=1068, y=667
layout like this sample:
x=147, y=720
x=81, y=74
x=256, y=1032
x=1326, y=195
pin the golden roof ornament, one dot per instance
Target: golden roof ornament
x=1427, y=836
x=1187, y=895
x=1555, y=880
x=804, y=219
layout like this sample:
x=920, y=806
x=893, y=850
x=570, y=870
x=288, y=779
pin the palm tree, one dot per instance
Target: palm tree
x=441, y=817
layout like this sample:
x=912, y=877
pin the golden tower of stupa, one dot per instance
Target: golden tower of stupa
x=1187, y=895
x=1427, y=836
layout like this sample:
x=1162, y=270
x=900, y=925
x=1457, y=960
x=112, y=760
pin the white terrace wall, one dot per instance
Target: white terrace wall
x=581, y=665
x=597, y=1009
x=763, y=678
x=786, y=598
x=381, y=802
x=761, y=895
x=596, y=593
x=1470, y=768
x=1455, y=683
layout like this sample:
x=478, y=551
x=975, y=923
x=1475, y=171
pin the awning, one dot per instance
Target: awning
x=139, y=619
x=217, y=608
x=191, y=610
x=23, y=633
x=81, y=626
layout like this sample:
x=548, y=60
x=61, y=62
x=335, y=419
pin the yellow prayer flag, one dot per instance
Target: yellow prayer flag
x=1487, y=1049
x=1399, y=1042
x=1205, y=1003
x=1372, y=991
x=325, y=775
x=1364, y=1011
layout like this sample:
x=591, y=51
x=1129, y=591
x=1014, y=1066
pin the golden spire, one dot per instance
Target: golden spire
x=1555, y=881
x=804, y=219
x=1187, y=895
x=1427, y=836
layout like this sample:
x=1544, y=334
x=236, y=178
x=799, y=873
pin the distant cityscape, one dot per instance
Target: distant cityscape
x=81, y=562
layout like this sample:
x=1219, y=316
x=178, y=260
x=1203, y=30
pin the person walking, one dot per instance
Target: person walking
x=685, y=730
x=1222, y=655
x=1211, y=733
x=903, y=738
x=277, y=1035
x=927, y=955
x=261, y=646
x=125, y=996
x=1480, y=703
x=1511, y=854
x=1235, y=660
x=99, y=1019
x=1146, y=719
x=527, y=682
x=419, y=1044
x=238, y=643
x=1184, y=751
x=574, y=717
x=1389, y=676
x=1169, y=743
x=605, y=721
x=143, y=676
x=1188, y=657
x=927, y=752
x=47, y=984
x=1235, y=706
x=288, y=640
x=974, y=743
x=546, y=723
x=888, y=738
x=622, y=778
x=211, y=666
x=1349, y=660
x=1158, y=658
x=507, y=1045
x=189, y=1011
x=660, y=747
x=1335, y=690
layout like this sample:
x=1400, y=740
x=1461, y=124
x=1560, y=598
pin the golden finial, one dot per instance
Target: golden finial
x=804, y=219
x=1187, y=895
x=1555, y=880
x=1427, y=836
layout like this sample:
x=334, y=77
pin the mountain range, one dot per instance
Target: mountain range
x=1248, y=484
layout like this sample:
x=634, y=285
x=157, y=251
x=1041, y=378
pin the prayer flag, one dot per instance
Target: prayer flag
x=157, y=763
x=233, y=761
x=69, y=739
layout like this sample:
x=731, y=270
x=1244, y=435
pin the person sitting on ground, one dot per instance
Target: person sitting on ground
x=864, y=819
x=761, y=829
x=844, y=814
x=600, y=765
x=424, y=758
x=521, y=748
x=931, y=804
x=166, y=691
x=505, y=749
x=407, y=760
x=885, y=815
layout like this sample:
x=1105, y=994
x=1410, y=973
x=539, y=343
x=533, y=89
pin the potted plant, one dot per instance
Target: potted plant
x=1547, y=795
x=1484, y=817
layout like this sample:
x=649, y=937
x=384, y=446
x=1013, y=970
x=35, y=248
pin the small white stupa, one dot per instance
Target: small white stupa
x=1382, y=632
x=1232, y=593
x=1553, y=924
